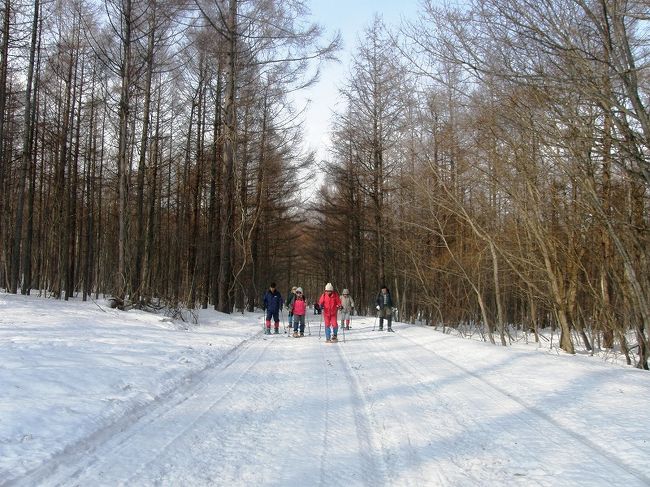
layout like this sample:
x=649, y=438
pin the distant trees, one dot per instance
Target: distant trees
x=365, y=139
x=518, y=194
x=267, y=41
x=157, y=150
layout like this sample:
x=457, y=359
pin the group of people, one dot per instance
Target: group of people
x=329, y=304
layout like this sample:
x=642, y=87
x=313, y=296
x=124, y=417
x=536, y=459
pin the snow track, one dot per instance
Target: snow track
x=382, y=409
x=98, y=449
x=563, y=438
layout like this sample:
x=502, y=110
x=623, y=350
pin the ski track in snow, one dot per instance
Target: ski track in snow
x=368, y=445
x=323, y=461
x=66, y=466
x=565, y=453
x=531, y=417
x=193, y=440
x=381, y=409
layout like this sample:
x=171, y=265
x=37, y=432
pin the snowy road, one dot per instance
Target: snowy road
x=381, y=409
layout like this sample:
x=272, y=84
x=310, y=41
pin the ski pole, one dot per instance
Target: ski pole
x=320, y=324
x=375, y=323
x=343, y=332
x=289, y=326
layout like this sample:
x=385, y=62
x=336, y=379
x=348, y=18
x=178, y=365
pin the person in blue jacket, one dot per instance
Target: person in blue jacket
x=272, y=305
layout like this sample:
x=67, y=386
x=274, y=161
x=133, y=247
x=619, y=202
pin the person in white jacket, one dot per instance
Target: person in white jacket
x=348, y=305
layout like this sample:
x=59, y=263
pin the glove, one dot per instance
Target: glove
x=378, y=307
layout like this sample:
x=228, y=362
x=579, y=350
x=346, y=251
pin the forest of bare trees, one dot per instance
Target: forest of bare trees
x=149, y=149
x=489, y=164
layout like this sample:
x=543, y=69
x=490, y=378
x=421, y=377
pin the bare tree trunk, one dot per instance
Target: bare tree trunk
x=26, y=154
x=378, y=198
x=532, y=305
x=91, y=153
x=241, y=225
x=73, y=172
x=497, y=293
x=29, y=237
x=59, y=268
x=151, y=218
x=230, y=148
x=197, y=188
x=144, y=143
x=122, y=155
x=214, y=230
x=100, y=209
x=27, y=253
x=4, y=161
x=253, y=291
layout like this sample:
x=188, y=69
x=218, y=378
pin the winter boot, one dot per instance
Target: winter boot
x=276, y=331
x=302, y=333
x=334, y=339
x=390, y=329
x=295, y=334
x=267, y=331
x=328, y=340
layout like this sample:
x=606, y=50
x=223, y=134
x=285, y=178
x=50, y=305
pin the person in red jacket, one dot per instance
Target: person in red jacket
x=299, y=309
x=330, y=303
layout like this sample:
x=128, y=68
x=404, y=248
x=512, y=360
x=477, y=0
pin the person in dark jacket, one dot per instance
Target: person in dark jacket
x=272, y=305
x=385, y=308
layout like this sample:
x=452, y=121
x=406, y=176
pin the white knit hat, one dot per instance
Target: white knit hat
x=299, y=290
x=329, y=287
x=293, y=289
x=345, y=291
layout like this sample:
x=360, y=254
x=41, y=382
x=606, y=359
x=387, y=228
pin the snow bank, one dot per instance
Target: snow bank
x=69, y=369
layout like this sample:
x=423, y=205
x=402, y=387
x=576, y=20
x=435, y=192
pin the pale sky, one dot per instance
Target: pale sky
x=350, y=17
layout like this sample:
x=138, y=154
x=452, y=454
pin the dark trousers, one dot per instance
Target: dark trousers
x=299, y=320
x=387, y=313
x=273, y=314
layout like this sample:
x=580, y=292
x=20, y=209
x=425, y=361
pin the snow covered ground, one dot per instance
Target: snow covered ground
x=92, y=397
